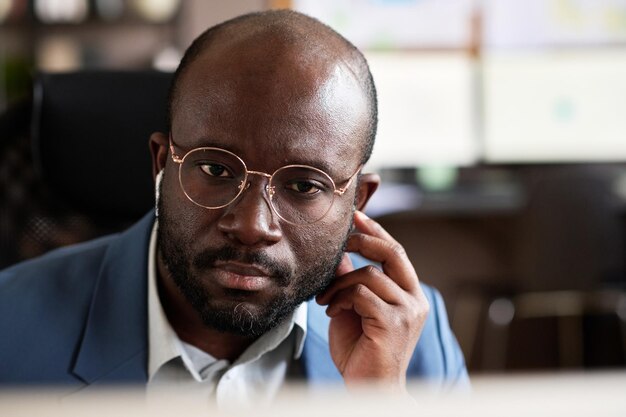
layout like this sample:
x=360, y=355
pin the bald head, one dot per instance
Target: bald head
x=281, y=39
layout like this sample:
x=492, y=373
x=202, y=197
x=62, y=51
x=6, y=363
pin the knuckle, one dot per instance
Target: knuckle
x=360, y=238
x=418, y=308
x=421, y=313
x=404, y=320
x=398, y=321
x=405, y=323
x=371, y=270
x=360, y=290
x=425, y=307
x=397, y=249
x=410, y=316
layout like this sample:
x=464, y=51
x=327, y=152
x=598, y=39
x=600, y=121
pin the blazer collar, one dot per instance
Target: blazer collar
x=114, y=344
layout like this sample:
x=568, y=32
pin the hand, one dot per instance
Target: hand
x=376, y=316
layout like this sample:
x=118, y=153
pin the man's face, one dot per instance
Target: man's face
x=241, y=267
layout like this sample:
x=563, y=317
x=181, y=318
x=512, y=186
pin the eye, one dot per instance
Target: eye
x=304, y=187
x=215, y=170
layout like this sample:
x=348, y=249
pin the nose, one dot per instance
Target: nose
x=250, y=220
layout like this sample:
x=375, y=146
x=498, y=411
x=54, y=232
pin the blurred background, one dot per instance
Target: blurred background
x=502, y=143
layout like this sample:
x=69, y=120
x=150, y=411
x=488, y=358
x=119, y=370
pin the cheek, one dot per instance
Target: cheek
x=186, y=219
x=325, y=238
x=341, y=215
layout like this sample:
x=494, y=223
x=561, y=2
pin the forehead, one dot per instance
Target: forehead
x=273, y=105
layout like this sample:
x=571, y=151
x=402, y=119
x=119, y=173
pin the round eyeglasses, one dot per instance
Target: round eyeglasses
x=213, y=178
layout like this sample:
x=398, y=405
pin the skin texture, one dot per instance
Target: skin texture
x=273, y=101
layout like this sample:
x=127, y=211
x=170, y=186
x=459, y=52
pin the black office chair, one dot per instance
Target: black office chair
x=88, y=171
x=90, y=138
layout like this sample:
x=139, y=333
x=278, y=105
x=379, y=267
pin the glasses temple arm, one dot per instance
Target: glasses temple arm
x=175, y=157
x=341, y=191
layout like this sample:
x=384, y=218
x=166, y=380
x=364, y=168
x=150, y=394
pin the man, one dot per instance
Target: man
x=259, y=197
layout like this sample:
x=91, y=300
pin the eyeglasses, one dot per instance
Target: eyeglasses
x=213, y=178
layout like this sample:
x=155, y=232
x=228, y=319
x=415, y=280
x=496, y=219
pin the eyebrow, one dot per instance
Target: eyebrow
x=211, y=143
x=322, y=165
x=199, y=143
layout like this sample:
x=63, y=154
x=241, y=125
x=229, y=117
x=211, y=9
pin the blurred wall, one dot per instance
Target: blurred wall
x=198, y=15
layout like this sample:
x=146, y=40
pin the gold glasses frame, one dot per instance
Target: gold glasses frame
x=245, y=184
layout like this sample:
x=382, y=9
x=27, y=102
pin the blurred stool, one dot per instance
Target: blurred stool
x=559, y=329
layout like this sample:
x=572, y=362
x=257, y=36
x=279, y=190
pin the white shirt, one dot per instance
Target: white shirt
x=253, y=379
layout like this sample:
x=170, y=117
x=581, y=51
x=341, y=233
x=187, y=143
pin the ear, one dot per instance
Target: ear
x=368, y=184
x=159, y=146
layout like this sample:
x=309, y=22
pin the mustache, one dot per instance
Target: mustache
x=207, y=258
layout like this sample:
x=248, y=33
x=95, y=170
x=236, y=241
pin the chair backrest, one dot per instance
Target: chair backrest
x=90, y=132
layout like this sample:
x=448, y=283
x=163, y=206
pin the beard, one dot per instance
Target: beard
x=233, y=316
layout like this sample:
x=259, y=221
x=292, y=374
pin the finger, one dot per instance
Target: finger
x=370, y=276
x=378, y=314
x=370, y=226
x=359, y=299
x=390, y=254
x=345, y=266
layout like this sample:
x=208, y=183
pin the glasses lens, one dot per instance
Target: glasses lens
x=301, y=194
x=211, y=178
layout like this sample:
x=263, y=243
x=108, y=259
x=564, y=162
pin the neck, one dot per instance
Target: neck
x=188, y=325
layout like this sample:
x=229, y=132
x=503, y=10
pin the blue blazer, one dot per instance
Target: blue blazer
x=78, y=316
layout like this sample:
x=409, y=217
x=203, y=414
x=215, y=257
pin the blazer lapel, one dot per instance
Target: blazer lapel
x=319, y=367
x=114, y=345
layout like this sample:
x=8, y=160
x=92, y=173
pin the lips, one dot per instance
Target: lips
x=240, y=276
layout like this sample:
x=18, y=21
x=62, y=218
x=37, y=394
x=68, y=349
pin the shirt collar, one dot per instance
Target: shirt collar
x=163, y=343
x=300, y=322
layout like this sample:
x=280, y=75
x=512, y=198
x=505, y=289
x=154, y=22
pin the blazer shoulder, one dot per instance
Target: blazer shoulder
x=44, y=303
x=68, y=264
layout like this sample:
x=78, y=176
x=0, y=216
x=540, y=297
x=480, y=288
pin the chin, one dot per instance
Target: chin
x=241, y=316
